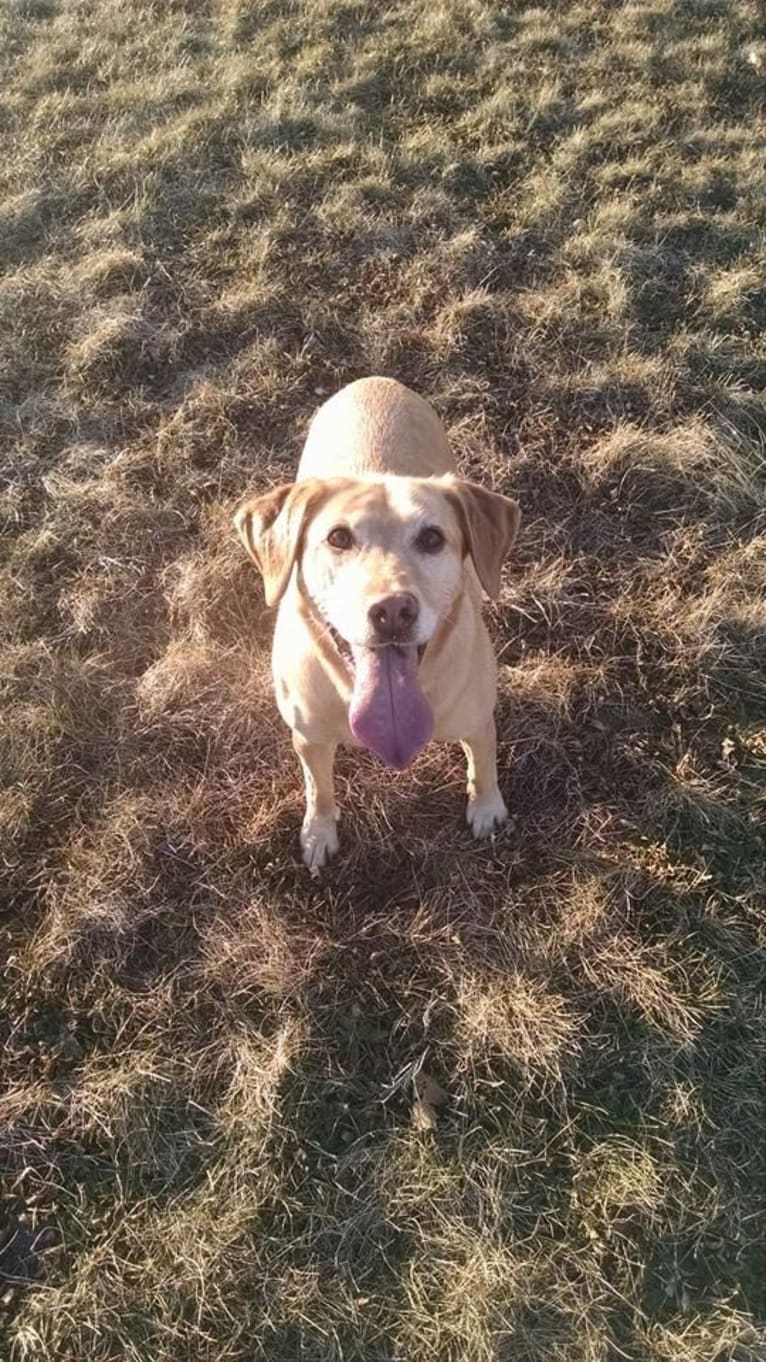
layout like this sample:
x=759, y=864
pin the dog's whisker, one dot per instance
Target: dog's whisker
x=345, y=645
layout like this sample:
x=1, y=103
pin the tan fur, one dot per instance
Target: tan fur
x=377, y=459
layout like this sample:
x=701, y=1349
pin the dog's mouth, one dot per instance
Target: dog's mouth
x=388, y=712
x=349, y=652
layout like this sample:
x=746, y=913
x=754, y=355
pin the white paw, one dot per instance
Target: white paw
x=485, y=815
x=319, y=840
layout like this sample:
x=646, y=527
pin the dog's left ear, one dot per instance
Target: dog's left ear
x=490, y=525
x=271, y=529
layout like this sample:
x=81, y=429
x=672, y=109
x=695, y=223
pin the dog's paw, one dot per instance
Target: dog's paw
x=485, y=815
x=319, y=840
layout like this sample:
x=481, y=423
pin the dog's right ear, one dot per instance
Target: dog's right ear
x=271, y=529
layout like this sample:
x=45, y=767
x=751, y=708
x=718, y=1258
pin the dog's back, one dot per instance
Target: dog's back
x=375, y=426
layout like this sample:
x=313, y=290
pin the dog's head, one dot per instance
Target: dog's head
x=356, y=544
x=381, y=563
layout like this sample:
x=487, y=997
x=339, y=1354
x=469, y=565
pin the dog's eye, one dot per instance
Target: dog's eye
x=430, y=539
x=340, y=538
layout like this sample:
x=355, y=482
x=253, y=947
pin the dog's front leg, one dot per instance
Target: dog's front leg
x=319, y=834
x=486, y=807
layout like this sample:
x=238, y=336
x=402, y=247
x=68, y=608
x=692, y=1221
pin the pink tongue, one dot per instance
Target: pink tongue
x=389, y=712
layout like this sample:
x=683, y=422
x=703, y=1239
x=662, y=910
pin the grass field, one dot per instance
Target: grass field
x=550, y=221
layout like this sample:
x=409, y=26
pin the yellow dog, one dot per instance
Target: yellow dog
x=376, y=556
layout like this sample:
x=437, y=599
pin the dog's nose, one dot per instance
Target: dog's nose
x=394, y=617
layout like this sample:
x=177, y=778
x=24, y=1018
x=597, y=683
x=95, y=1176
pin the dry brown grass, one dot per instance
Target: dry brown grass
x=550, y=221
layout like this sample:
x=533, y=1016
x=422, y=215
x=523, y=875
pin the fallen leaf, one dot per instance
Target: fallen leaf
x=424, y=1115
x=728, y=750
x=429, y=1091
